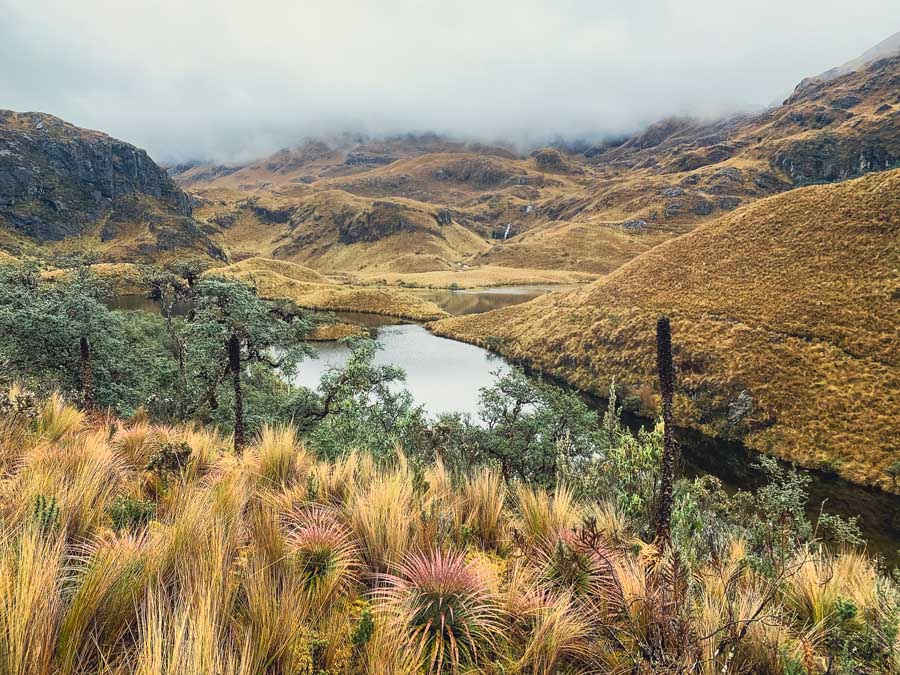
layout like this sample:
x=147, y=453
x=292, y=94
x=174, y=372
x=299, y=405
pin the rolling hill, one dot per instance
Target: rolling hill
x=785, y=319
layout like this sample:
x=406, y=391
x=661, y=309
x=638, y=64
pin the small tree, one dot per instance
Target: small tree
x=170, y=289
x=62, y=333
x=232, y=327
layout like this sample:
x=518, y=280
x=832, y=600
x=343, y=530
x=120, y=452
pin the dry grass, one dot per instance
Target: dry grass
x=277, y=563
x=480, y=276
x=791, y=299
x=334, y=297
x=336, y=331
x=125, y=278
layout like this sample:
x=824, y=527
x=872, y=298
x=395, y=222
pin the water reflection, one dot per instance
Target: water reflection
x=458, y=302
x=442, y=375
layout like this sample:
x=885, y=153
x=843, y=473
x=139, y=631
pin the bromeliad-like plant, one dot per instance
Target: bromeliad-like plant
x=568, y=565
x=323, y=553
x=445, y=605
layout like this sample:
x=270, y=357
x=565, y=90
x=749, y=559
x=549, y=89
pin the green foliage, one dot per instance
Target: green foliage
x=526, y=426
x=231, y=327
x=45, y=514
x=359, y=406
x=363, y=630
x=622, y=466
x=841, y=531
x=42, y=322
x=131, y=514
x=169, y=460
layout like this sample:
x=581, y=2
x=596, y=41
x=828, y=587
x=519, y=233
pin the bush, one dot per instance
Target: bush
x=130, y=514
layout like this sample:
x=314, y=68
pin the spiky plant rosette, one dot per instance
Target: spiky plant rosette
x=322, y=551
x=566, y=564
x=444, y=604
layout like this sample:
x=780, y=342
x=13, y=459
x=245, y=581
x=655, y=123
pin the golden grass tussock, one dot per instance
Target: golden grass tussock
x=543, y=516
x=279, y=458
x=280, y=562
x=784, y=317
x=31, y=601
x=337, y=331
x=124, y=278
x=58, y=420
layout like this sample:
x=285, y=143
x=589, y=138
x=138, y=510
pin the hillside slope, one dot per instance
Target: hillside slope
x=584, y=208
x=785, y=319
x=73, y=188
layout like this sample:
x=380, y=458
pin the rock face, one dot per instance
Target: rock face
x=831, y=158
x=383, y=219
x=57, y=179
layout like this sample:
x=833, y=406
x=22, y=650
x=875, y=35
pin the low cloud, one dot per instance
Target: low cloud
x=231, y=80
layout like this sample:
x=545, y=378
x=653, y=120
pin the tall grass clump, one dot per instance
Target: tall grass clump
x=58, y=419
x=281, y=459
x=31, y=605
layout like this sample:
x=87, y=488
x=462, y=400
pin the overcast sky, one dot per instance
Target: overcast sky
x=226, y=80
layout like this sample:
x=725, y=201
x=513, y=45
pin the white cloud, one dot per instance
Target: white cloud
x=228, y=79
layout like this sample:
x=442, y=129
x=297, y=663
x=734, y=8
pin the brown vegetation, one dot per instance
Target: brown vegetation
x=785, y=313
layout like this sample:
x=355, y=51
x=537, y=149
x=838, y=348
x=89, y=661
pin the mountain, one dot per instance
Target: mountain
x=68, y=186
x=416, y=204
x=885, y=49
x=784, y=314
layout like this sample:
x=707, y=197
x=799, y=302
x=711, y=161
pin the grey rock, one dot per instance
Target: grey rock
x=740, y=408
x=846, y=102
x=702, y=207
x=728, y=173
x=443, y=217
x=54, y=184
x=728, y=203
x=634, y=224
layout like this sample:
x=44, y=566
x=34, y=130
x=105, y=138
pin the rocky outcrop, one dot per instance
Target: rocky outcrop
x=830, y=158
x=381, y=220
x=480, y=172
x=57, y=179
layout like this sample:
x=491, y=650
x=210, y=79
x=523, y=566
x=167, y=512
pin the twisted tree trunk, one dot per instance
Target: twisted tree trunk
x=87, y=373
x=234, y=363
x=666, y=372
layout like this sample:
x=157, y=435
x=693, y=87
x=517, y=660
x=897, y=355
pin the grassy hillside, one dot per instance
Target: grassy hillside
x=785, y=318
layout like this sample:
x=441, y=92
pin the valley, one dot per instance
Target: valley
x=782, y=295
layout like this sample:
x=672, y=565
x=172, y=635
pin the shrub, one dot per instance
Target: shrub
x=130, y=513
x=170, y=460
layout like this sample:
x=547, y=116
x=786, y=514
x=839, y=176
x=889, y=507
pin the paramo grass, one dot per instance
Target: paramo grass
x=278, y=562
